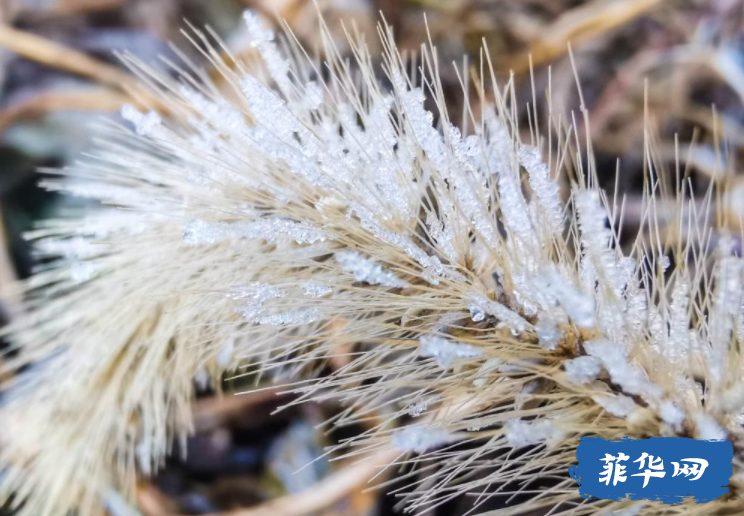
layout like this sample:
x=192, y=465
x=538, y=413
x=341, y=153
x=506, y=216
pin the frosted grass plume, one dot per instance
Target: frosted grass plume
x=305, y=199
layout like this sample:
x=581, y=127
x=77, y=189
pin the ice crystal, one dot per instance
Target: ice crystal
x=583, y=370
x=292, y=317
x=618, y=405
x=545, y=188
x=632, y=379
x=145, y=125
x=480, y=305
x=445, y=350
x=314, y=289
x=524, y=433
x=365, y=270
x=421, y=439
x=672, y=414
x=708, y=429
x=199, y=232
x=418, y=407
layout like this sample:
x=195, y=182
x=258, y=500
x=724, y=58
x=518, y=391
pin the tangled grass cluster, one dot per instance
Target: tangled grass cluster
x=479, y=317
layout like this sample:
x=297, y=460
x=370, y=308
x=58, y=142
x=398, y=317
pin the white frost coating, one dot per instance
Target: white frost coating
x=672, y=414
x=83, y=271
x=708, y=429
x=548, y=333
x=676, y=347
x=618, y=405
x=630, y=378
x=636, y=314
x=256, y=295
x=263, y=39
x=446, y=322
x=259, y=292
x=596, y=240
x=418, y=407
x=420, y=122
x=445, y=351
x=312, y=97
x=367, y=271
x=524, y=433
x=546, y=189
x=442, y=232
x=421, y=439
x=514, y=207
x=199, y=232
x=583, y=370
x=144, y=125
x=255, y=312
x=77, y=247
x=431, y=265
x=315, y=289
x=577, y=304
x=290, y=318
x=479, y=305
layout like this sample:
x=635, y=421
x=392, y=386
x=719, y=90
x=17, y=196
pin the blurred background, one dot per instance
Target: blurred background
x=676, y=66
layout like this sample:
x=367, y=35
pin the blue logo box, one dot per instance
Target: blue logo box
x=667, y=469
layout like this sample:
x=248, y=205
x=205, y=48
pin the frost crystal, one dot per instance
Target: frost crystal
x=445, y=351
x=583, y=370
x=524, y=433
x=199, y=232
x=292, y=317
x=262, y=38
x=479, y=305
x=145, y=125
x=630, y=378
x=256, y=295
x=672, y=414
x=578, y=305
x=546, y=189
x=418, y=407
x=421, y=439
x=548, y=333
x=678, y=344
x=708, y=429
x=618, y=405
x=314, y=289
x=367, y=271
x=596, y=239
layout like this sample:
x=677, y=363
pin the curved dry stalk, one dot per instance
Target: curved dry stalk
x=577, y=26
x=55, y=55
